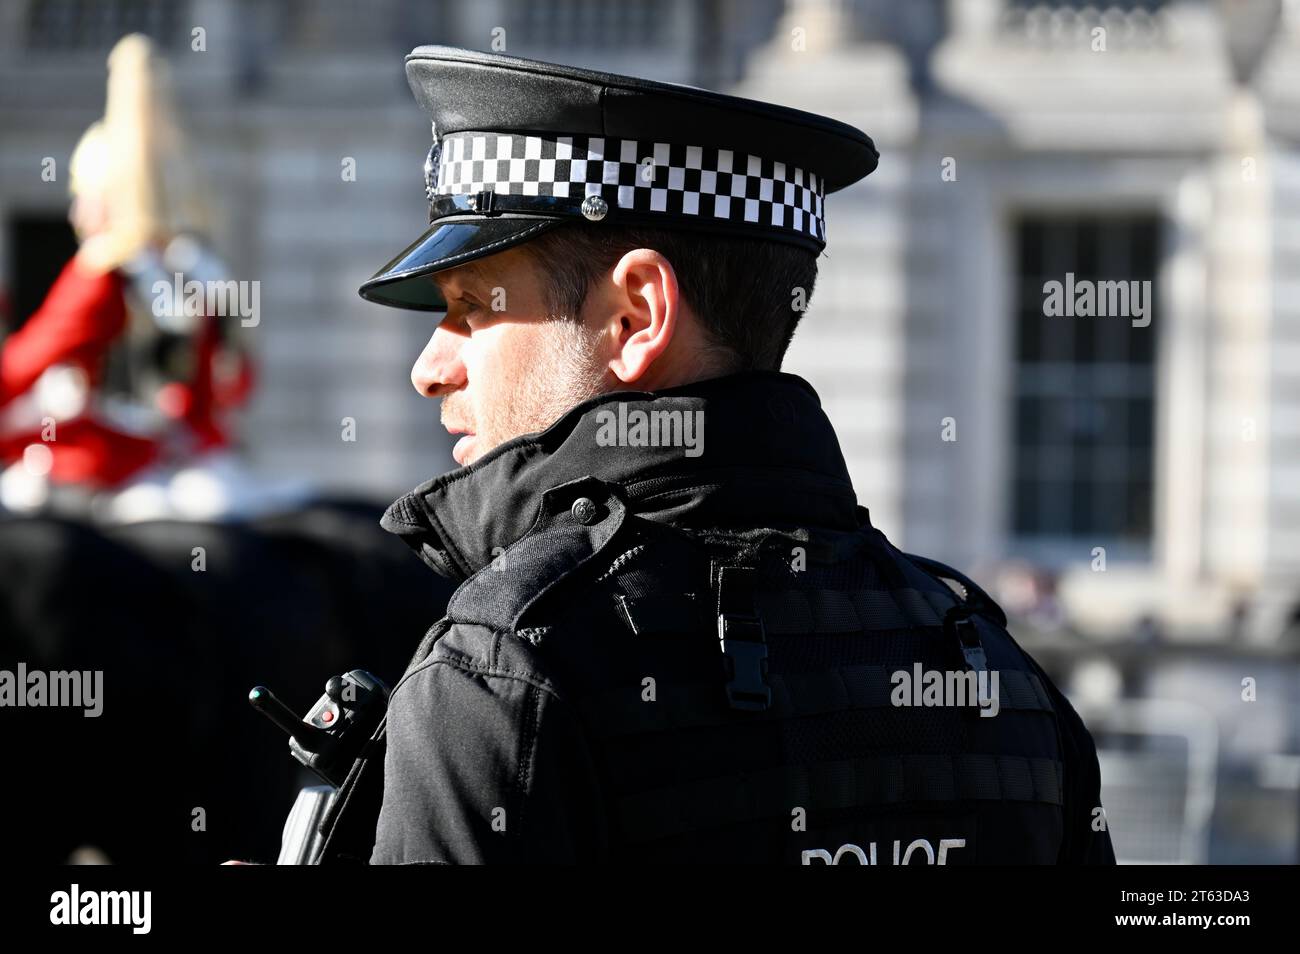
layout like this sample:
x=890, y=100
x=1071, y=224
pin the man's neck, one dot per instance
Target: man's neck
x=688, y=367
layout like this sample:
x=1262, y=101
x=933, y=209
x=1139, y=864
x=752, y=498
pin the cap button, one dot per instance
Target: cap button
x=594, y=208
x=584, y=511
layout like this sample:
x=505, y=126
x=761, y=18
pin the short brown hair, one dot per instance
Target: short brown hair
x=744, y=291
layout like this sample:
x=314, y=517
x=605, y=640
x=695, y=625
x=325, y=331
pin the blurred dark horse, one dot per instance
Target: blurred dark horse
x=178, y=767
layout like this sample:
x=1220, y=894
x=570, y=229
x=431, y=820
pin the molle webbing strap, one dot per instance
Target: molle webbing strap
x=846, y=611
x=622, y=712
x=829, y=786
x=797, y=612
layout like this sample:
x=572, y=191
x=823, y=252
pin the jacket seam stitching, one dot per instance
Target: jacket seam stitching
x=527, y=748
x=466, y=664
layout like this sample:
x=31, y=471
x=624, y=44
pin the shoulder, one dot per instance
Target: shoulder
x=576, y=529
x=95, y=264
x=475, y=653
x=84, y=280
x=564, y=567
x=483, y=757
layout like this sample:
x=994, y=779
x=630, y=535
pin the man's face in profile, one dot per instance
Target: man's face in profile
x=502, y=366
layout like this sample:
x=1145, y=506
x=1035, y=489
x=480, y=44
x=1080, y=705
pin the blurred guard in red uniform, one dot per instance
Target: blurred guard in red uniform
x=99, y=331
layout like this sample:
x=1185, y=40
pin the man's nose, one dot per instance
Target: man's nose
x=439, y=369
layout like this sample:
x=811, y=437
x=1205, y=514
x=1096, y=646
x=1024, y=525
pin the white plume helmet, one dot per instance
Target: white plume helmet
x=135, y=161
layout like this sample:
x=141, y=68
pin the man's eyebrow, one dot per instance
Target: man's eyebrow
x=476, y=271
x=460, y=275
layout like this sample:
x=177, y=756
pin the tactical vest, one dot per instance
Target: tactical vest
x=771, y=695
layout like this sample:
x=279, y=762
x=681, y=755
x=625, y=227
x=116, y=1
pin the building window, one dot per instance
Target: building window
x=1073, y=24
x=592, y=24
x=39, y=246
x=1084, y=384
x=1123, y=6
x=98, y=24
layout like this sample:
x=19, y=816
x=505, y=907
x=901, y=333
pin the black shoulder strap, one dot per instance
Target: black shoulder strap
x=979, y=600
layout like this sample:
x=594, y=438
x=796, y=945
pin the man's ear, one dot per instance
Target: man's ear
x=644, y=313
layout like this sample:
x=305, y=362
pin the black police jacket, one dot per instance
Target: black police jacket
x=677, y=637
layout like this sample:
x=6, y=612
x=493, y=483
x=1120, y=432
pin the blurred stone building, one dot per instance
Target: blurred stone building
x=1021, y=142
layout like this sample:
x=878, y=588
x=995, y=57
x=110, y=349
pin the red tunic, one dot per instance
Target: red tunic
x=76, y=324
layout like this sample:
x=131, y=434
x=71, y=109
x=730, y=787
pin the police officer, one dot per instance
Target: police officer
x=677, y=636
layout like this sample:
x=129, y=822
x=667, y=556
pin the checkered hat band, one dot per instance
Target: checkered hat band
x=636, y=175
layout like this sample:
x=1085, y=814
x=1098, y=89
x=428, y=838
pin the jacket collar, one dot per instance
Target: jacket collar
x=757, y=448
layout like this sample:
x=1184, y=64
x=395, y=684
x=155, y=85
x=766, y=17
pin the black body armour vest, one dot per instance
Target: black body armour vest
x=755, y=672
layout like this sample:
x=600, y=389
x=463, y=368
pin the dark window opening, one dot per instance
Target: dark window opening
x=1083, y=393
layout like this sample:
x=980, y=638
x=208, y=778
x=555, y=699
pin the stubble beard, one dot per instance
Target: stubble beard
x=554, y=380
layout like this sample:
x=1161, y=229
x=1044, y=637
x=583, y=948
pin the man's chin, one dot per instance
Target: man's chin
x=466, y=450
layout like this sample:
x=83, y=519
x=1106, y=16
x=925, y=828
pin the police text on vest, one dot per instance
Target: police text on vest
x=856, y=855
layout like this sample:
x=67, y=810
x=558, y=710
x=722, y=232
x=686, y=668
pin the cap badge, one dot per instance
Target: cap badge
x=594, y=208
x=431, y=166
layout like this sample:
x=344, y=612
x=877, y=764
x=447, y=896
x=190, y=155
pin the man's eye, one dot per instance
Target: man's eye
x=474, y=313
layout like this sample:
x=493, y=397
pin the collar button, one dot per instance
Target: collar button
x=584, y=511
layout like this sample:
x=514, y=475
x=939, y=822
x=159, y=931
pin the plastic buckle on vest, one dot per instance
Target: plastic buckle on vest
x=743, y=640
x=957, y=621
x=971, y=648
x=958, y=624
x=744, y=647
